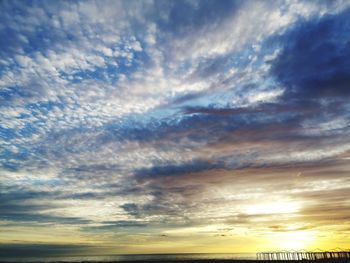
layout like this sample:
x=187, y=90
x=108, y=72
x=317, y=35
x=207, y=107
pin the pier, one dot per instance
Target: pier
x=305, y=255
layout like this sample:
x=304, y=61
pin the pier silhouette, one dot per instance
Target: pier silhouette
x=338, y=256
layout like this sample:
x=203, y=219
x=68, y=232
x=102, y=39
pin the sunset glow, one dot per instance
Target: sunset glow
x=174, y=126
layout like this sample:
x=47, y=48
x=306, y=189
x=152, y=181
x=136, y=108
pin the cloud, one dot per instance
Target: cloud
x=140, y=118
x=194, y=166
x=312, y=61
x=24, y=207
x=117, y=225
x=44, y=250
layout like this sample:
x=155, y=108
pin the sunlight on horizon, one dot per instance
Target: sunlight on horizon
x=174, y=126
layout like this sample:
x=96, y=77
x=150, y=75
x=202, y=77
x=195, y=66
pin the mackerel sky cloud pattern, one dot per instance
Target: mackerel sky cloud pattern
x=167, y=126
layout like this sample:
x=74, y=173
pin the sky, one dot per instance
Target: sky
x=174, y=126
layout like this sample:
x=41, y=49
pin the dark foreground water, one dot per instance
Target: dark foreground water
x=143, y=257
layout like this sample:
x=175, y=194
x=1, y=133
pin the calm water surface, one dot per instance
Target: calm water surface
x=139, y=257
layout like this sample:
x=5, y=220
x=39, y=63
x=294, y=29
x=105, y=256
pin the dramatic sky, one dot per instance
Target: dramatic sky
x=174, y=126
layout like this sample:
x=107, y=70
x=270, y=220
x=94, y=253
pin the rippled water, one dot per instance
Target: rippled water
x=139, y=257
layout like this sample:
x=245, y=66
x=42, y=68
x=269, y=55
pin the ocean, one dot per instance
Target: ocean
x=134, y=257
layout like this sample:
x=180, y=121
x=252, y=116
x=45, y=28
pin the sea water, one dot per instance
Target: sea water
x=134, y=257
